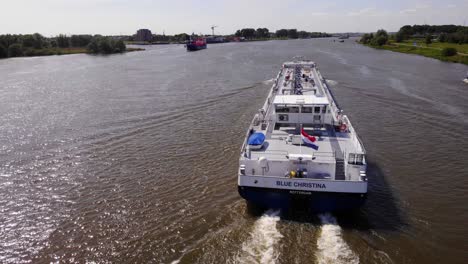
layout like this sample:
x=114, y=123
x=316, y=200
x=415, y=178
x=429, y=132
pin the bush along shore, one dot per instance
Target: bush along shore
x=445, y=43
x=38, y=45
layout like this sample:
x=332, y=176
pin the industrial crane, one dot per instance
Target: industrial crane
x=212, y=29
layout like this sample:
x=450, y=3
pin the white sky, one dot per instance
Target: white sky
x=114, y=17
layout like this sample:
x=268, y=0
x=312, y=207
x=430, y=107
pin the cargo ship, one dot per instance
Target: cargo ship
x=194, y=44
x=301, y=149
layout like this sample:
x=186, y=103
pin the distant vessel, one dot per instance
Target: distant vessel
x=300, y=148
x=215, y=40
x=194, y=44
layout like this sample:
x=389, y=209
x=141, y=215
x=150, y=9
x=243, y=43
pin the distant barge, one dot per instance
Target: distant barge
x=196, y=44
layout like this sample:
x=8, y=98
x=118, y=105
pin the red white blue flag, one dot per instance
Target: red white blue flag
x=308, y=139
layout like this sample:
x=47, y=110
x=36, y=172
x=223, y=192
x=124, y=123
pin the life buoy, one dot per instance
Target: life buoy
x=292, y=174
x=281, y=117
x=343, y=127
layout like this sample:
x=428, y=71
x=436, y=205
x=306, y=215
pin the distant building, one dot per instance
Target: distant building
x=143, y=35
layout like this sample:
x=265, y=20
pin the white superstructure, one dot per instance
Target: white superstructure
x=299, y=109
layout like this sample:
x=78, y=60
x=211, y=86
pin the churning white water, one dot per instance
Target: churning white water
x=270, y=81
x=332, y=82
x=261, y=247
x=331, y=246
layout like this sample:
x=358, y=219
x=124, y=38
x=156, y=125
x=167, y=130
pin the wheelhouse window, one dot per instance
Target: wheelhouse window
x=294, y=109
x=324, y=109
x=306, y=109
x=282, y=109
x=356, y=159
x=286, y=109
x=317, y=109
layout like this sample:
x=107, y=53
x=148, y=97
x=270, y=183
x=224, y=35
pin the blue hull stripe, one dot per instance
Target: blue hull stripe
x=314, y=201
x=191, y=47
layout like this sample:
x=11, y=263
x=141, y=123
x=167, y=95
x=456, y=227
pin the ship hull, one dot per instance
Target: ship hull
x=317, y=202
x=193, y=47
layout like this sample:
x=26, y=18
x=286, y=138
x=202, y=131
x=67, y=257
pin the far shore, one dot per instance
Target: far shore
x=246, y=40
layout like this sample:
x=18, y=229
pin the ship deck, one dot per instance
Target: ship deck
x=311, y=87
x=331, y=144
x=300, y=99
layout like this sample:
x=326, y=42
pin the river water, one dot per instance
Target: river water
x=133, y=158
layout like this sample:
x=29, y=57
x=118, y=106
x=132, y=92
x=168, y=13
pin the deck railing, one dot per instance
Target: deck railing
x=354, y=137
x=324, y=154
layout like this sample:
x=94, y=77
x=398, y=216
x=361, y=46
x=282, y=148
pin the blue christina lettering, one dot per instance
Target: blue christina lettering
x=302, y=184
x=309, y=185
x=282, y=183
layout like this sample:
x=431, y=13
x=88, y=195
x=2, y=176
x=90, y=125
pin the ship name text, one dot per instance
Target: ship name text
x=310, y=185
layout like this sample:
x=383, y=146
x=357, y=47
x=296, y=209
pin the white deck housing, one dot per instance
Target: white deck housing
x=301, y=99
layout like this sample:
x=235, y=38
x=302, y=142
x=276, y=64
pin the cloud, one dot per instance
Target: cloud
x=423, y=6
x=408, y=11
x=319, y=14
x=365, y=11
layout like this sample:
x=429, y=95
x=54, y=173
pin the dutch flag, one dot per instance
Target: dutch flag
x=308, y=139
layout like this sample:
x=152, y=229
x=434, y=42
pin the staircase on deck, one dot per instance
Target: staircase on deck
x=339, y=170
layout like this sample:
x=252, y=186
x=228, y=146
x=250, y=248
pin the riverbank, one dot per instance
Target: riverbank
x=151, y=43
x=62, y=51
x=433, y=50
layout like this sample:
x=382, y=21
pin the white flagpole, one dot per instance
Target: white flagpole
x=300, y=131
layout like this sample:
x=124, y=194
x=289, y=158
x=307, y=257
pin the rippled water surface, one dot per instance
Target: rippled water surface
x=133, y=158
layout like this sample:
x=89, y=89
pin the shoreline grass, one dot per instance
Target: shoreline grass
x=432, y=50
x=462, y=48
x=133, y=49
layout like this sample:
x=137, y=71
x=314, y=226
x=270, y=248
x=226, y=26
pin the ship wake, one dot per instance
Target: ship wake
x=330, y=244
x=261, y=247
x=268, y=82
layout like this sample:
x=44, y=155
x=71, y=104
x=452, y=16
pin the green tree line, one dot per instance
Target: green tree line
x=36, y=45
x=247, y=33
x=375, y=39
x=264, y=33
x=443, y=33
x=381, y=38
x=105, y=45
x=177, y=38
